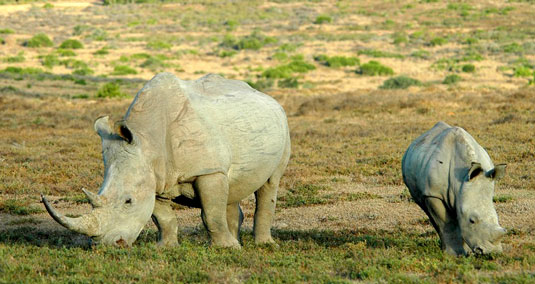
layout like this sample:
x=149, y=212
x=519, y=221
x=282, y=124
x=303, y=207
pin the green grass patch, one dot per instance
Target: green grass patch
x=375, y=68
x=6, y=31
x=48, y=6
x=437, y=41
x=287, y=70
x=303, y=195
x=502, y=198
x=400, y=82
x=421, y=54
x=22, y=71
x=65, y=52
x=102, y=51
x=158, y=45
x=451, y=79
x=71, y=44
x=50, y=60
x=110, y=90
x=380, y=53
x=123, y=70
x=323, y=19
x=337, y=61
x=254, y=41
x=468, y=68
x=15, y=59
x=39, y=40
x=18, y=207
x=522, y=71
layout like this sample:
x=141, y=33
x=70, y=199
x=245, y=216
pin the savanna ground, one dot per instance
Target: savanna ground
x=343, y=212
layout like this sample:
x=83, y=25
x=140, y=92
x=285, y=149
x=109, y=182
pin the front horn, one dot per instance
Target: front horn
x=87, y=224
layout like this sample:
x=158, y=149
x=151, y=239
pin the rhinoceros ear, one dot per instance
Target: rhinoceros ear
x=102, y=126
x=474, y=171
x=124, y=131
x=498, y=172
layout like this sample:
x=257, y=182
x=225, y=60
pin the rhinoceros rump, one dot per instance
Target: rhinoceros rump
x=209, y=142
x=451, y=177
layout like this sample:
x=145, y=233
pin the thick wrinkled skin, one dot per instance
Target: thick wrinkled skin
x=210, y=143
x=451, y=177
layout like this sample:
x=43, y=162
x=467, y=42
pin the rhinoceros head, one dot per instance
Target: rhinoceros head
x=126, y=198
x=476, y=215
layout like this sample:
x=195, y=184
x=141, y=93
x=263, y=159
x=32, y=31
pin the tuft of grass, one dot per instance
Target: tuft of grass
x=102, y=51
x=323, y=19
x=502, y=198
x=287, y=70
x=15, y=59
x=400, y=82
x=254, y=41
x=303, y=195
x=451, y=79
x=468, y=68
x=288, y=83
x=123, y=70
x=50, y=60
x=6, y=31
x=438, y=41
x=380, y=53
x=110, y=90
x=375, y=68
x=48, y=6
x=422, y=54
x=522, y=71
x=71, y=44
x=158, y=45
x=39, y=40
x=18, y=207
x=65, y=52
x=153, y=63
x=22, y=71
x=262, y=84
x=82, y=71
x=337, y=61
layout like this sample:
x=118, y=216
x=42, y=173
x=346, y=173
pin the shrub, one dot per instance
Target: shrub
x=254, y=41
x=102, y=51
x=374, y=68
x=451, y=79
x=83, y=71
x=227, y=53
x=123, y=70
x=153, y=63
x=65, y=52
x=48, y=6
x=6, y=31
x=400, y=82
x=22, y=71
x=288, y=83
x=261, y=84
x=50, y=60
x=73, y=63
x=39, y=40
x=158, y=45
x=16, y=59
x=337, y=61
x=322, y=19
x=286, y=71
x=71, y=44
x=280, y=56
x=379, y=53
x=522, y=71
x=438, y=41
x=469, y=68
x=110, y=90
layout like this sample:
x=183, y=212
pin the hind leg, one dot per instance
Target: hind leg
x=266, y=199
x=234, y=219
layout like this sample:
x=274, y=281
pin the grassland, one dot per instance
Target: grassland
x=343, y=212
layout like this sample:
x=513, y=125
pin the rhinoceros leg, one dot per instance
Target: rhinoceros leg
x=446, y=226
x=213, y=193
x=234, y=219
x=266, y=199
x=165, y=219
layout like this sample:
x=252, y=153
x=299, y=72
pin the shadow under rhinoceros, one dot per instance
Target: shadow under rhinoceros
x=43, y=236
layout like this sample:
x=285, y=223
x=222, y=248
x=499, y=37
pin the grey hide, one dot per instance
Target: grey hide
x=451, y=177
x=210, y=142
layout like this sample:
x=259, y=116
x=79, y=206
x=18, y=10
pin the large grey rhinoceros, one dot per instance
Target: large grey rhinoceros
x=452, y=178
x=210, y=142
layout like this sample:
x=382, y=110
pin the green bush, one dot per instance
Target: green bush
x=39, y=40
x=468, y=68
x=438, y=41
x=337, y=61
x=50, y=60
x=254, y=41
x=71, y=44
x=322, y=19
x=123, y=70
x=110, y=90
x=288, y=83
x=102, y=51
x=73, y=63
x=6, y=31
x=400, y=82
x=227, y=53
x=261, y=84
x=16, y=59
x=153, y=64
x=374, y=68
x=280, y=56
x=379, y=53
x=83, y=71
x=522, y=71
x=65, y=52
x=451, y=79
x=22, y=71
x=286, y=71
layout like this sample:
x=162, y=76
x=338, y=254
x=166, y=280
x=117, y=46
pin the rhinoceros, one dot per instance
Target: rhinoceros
x=209, y=143
x=451, y=177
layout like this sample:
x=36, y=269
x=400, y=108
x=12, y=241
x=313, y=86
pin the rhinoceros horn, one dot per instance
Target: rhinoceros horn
x=87, y=224
x=95, y=199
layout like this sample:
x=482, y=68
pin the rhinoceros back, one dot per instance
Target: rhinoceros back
x=437, y=162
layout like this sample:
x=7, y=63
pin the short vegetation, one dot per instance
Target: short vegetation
x=375, y=68
x=337, y=61
x=400, y=82
x=71, y=44
x=39, y=40
x=110, y=90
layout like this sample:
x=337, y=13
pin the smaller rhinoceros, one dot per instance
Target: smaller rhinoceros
x=451, y=177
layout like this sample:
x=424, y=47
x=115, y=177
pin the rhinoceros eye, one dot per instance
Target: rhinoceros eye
x=472, y=221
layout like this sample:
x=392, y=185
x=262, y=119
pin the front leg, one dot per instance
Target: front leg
x=165, y=219
x=213, y=193
x=446, y=226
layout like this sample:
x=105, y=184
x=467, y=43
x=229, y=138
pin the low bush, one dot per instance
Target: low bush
x=71, y=44
x=102, y=51
x=322, y=19
x=22, y=71
x=286, y=71
x=380, y=53
x=16, y=59
x=337, y=61
x=50, y=60
x=65, y=52
x=451, y=79
x=438, y=41
x=289, y=83
x=374, y=68
x=522, y=71
x=39, y=40
x=468, y=68
x=6, y=31
x=400, y=82
x=123, y=70
x=110, y=90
